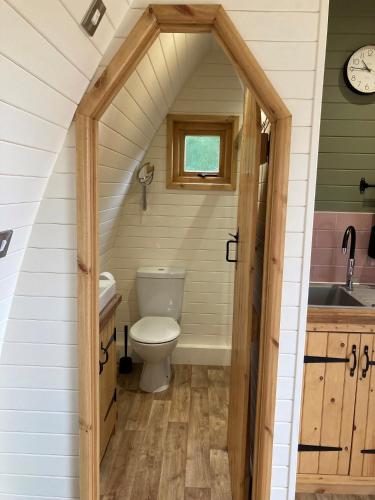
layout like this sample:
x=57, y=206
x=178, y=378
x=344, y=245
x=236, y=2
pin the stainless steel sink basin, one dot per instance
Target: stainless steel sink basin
x=331, y=296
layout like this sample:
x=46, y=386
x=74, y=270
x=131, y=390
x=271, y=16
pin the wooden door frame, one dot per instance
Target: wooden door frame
x=171, y=19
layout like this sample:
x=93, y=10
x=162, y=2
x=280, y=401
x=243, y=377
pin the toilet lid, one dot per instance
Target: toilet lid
x=155, y=330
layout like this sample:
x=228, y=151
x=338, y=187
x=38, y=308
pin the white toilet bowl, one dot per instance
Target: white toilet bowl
x=154, y=338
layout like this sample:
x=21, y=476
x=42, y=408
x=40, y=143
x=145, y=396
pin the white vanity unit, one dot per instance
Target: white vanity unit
x=107, y=289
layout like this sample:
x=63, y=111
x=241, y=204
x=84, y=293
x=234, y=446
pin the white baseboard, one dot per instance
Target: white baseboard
x=201, y=355
x=190, y=354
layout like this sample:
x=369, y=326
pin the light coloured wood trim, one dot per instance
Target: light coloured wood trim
x=185, y=28
x=280, y=137
x=227, y=126
x=124, y=62
x=184, y=14
x=320, y=319
x=248, y=67
x=332, y=484
x=187, y=18
x=87, y=321
x=238, y=418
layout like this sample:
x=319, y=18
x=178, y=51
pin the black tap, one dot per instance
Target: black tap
x=349, y=231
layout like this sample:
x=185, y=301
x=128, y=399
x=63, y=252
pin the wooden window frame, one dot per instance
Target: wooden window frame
x=180, y=126
x=187, y=18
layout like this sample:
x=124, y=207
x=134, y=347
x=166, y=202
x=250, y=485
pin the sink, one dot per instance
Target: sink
x=331, y=296
x=107, y=289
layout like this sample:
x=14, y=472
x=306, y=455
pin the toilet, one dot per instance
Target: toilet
x=160, y=293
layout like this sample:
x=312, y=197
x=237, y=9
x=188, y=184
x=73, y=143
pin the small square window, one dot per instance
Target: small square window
x=201, y=152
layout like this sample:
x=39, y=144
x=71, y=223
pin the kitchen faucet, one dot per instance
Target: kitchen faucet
x=349, y=231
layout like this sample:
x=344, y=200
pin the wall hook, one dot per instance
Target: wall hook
x=363, y=185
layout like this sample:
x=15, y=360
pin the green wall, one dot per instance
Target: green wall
x=347, y=134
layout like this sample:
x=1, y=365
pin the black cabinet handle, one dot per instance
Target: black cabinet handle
x=229, y=243
x=105, y=351
x=353, y=368
x=368, y=362
x=102, y=363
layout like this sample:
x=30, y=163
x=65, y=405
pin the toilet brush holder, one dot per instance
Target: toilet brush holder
x=126, y=363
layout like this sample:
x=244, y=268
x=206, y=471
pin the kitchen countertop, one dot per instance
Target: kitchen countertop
x=365, y=294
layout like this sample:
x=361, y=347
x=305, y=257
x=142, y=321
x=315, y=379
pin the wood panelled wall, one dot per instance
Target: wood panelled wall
x=187, y=229
x=347, y=136
x=132, y=120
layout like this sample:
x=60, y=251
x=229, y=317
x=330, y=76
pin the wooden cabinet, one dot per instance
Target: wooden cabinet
x=108, y=373
x=363, y=445
x=337, y=435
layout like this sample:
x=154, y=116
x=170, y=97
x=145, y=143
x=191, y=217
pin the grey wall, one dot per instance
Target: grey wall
x=347, y=136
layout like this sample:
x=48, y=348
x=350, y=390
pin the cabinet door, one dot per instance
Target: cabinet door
x=363, y=453
x=328, y=403
x=107, y=386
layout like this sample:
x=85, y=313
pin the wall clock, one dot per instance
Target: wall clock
x=359, y=70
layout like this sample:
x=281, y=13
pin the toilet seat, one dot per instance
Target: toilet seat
x=155, y=330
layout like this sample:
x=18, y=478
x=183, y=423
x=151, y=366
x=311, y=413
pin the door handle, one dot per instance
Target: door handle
x=102, y=363
x=353, y=368
x=368, y=362
x=233, y=241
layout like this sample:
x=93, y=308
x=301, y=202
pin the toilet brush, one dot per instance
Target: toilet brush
x=126, y=363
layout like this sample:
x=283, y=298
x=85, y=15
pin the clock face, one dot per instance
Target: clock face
x=359, y=71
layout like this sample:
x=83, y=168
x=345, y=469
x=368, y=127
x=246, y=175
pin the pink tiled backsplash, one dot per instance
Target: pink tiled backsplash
x=327, y=260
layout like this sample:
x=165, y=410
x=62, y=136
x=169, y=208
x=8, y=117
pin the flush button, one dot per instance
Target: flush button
x=93, y=16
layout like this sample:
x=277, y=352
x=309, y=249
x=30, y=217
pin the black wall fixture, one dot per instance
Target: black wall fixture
x=363, y=185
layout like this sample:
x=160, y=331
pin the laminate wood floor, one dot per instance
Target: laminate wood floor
x=171, y=445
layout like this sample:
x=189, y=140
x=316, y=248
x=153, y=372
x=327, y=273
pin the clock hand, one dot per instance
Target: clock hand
x=366, y=67
x=358, y=69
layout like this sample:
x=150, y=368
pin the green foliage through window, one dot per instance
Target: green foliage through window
x=202, y=153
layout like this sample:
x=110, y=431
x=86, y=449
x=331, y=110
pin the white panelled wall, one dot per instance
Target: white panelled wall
x=185, y=228
x=129, y=124
x=38, y=372
x=46, y=63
